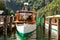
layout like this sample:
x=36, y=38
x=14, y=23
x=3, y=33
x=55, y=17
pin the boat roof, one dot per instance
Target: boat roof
x=54, y=16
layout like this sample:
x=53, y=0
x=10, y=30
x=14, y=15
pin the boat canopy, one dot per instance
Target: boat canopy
x=54, y=16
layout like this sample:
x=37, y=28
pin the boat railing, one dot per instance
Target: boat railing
x=51, y=23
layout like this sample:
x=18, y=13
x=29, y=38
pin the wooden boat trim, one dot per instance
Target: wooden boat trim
x=51, y=23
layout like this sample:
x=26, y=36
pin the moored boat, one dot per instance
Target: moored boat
x=54, y=23
x=25, y=23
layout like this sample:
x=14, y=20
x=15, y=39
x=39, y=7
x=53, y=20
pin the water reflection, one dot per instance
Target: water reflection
x=10, y=35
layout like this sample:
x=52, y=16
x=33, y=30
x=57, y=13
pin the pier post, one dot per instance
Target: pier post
x=5, y=28
x=44, y=27
x=49, y=31
x=58, y=29
x=15, y=32
x=12, y=28
x=10, y=25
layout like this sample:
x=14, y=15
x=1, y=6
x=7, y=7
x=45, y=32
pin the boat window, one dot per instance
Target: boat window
x=29, y=17
x=54, y=20
x=25, y=16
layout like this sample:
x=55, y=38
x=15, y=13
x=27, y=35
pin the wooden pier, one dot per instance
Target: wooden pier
x=7, y=27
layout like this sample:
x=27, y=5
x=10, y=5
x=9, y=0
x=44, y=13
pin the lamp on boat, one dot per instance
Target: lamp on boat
x=26, y=6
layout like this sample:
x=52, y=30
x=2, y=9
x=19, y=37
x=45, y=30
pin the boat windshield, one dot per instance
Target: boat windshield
x=25, y=16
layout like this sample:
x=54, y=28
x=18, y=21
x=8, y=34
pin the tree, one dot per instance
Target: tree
x=52, y=9
x=2, y=6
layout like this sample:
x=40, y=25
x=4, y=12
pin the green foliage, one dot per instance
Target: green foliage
x=2, y=6
x=37, y=5
x=52, y=9
x=41, y=6
x=5, y=8
x=11, y=13
x=34, y=4
x=47, y=7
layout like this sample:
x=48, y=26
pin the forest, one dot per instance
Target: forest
x=42, y=7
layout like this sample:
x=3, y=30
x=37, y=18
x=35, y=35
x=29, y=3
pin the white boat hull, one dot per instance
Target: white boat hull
x=53, y=28
x=25, y=28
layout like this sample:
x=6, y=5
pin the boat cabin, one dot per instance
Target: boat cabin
x=25, y=17
x=54, y=19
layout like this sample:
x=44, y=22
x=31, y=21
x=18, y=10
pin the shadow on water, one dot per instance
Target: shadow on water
x=9, y=33
x=1, y=31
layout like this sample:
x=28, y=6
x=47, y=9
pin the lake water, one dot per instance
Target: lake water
x=16, y=37
x=12, y=37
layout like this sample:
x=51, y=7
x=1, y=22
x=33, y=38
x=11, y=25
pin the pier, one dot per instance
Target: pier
x=7, y=26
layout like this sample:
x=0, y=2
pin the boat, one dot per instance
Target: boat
x=54, y=23
x=25, y=22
